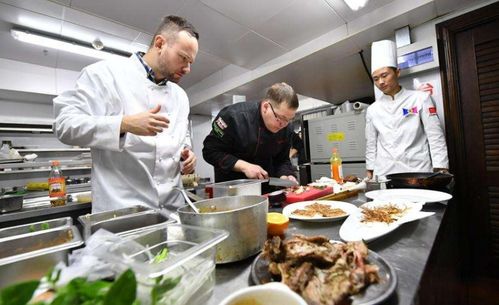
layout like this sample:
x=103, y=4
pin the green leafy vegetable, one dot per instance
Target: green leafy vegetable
x=43, y=226
x=18, y=294
x=160, y=256
x=53, y=276
x=79, y=291
x=123, y=291
x=161, y=287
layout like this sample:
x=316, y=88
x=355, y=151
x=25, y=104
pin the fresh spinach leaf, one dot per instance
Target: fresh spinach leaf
x=161, y=287
x=53, y=276
x=18, y=294
x=123, y=291
x=160, y=256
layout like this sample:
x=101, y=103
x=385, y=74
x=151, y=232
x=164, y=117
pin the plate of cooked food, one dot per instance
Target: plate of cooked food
x=416, y=195
x=378, y=218
x=321, y=270
x=319, y=210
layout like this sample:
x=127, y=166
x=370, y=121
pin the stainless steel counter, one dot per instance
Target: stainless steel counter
x=407, y=249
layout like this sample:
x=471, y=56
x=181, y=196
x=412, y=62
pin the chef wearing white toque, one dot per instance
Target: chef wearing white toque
x=403, y=132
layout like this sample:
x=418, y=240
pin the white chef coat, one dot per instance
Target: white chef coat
x=404, y=135
x=130, y=169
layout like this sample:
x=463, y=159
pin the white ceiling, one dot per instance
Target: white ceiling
x=239, y=34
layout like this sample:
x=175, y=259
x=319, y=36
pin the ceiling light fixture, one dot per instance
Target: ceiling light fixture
x=64, y=44
x=355, y=5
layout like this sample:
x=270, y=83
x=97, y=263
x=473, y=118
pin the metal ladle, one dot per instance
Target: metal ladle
x=189, y=202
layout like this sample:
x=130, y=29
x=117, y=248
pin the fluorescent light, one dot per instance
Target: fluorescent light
x=355, y=5
x=61, y=44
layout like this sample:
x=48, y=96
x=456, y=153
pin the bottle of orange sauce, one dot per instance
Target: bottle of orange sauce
x=57, y=185
x=336, y=168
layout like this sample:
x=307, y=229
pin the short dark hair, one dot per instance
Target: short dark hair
x=171, y=26
x=282, y=92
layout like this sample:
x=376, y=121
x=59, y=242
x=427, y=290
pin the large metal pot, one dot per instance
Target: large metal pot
x=419, y=180
x=244, y=217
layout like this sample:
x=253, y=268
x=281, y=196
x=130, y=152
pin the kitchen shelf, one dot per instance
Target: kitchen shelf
x=26, y=129
x=45, y=165
x=70, y=189
x=32, y=171
x=34, y=150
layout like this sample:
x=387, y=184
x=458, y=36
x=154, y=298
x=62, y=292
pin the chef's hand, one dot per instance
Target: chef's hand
x=292, y=178
x=251, y=170
x=369, y=174
x=189, y=161
x=148, y=123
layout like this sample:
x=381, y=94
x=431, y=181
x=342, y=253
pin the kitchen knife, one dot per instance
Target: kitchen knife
x=282, y=182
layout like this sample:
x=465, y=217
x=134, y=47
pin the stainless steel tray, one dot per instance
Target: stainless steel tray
x=31, y=256
x=126, y=223
x=35, y=227
x=90, y=219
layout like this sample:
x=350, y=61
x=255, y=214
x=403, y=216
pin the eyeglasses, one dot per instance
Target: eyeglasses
x=280, y=118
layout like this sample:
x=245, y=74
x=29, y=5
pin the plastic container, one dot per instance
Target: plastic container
x=190, y=261
x=336, y=167
x=57, y=185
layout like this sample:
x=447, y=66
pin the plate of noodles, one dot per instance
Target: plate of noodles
x=319, y=210
x=377, y=218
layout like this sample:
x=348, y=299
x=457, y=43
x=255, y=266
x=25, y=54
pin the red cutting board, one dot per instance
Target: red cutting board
x=310, y=194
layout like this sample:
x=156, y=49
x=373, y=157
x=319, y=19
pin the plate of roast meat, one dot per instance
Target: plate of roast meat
x=325, y=272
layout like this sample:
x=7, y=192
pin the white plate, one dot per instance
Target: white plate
x=414, y=195
x=345, y=206
x=353, y=229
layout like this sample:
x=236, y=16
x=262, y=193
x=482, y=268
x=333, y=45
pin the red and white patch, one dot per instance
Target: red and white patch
x=221, y=123
x=432, y=110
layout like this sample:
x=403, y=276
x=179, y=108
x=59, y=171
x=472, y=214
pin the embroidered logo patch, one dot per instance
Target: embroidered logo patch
x=220, y=122
x=413, y=110
x=218, y=127
x=432, y=110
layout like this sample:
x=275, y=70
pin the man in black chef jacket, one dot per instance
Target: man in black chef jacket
x=251, y=139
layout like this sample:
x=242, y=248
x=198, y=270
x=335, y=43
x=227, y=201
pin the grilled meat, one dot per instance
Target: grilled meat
x=324, y=273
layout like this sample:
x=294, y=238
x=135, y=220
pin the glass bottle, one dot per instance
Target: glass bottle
x=57, y=185
x=336, y=168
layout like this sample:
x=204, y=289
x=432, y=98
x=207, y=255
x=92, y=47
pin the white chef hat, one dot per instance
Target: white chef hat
x=383, y=54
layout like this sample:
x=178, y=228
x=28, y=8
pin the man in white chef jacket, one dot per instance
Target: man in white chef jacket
x=403, y=132
x=134, y=117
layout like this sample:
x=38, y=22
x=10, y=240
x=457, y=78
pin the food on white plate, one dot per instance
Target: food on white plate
x=351, y=178
x=318, y=209
x=386, y=213
x=298, y=189
x=320, y=271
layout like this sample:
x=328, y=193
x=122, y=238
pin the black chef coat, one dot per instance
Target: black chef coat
x=238, y=132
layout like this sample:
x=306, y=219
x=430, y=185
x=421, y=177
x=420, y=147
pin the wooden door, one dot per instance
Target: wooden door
x=469, y=56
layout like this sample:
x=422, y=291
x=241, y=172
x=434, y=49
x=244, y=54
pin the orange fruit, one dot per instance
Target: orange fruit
x=277, y=224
